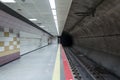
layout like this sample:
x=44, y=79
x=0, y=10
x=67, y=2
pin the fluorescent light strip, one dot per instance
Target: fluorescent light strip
x=53, y=7
x=52, y=4
x=56, y=23
x=33, y=19
x=54, y=12
x=42, y=26
x=55, y=17
x=8, y=1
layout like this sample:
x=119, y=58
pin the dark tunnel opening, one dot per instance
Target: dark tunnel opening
x=66, y=39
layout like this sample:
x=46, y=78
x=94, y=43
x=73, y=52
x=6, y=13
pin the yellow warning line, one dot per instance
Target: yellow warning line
x=56, y=73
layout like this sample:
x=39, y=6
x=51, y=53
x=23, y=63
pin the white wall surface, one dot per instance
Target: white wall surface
x=30, y=41
x=54, y=40
x=30, y=37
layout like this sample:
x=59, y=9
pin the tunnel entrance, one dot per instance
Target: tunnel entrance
x=66, y=39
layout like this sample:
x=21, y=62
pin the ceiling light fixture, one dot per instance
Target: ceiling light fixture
x=33, y=19
x=42, y=26
x=52, y=4
x=54, y=12
x=56, y=22
x=55, y=17
x=57, y=27
x=53, y=7
x=8, y=1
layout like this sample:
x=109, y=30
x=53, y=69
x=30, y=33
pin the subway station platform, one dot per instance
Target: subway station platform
x=59, y=39
x=42, y=64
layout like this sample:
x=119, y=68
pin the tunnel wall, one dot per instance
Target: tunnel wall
x=109, y=61
x=99, y=37
x=18, y=37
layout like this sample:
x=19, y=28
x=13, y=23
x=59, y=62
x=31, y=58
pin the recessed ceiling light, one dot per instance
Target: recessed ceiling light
x=33, y=19
x=8, y=1
x=42, y=26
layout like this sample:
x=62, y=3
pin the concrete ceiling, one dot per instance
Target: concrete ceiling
x=63, y=7
x=41, y=10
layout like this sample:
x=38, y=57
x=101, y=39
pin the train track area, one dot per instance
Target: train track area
x=85, y=69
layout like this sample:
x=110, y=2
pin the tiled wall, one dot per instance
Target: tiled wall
x=9, y=45
x=30, y=41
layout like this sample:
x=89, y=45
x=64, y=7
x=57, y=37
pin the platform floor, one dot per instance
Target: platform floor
x=37, y=65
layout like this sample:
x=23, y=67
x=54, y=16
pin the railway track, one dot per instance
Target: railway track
x=85, y=69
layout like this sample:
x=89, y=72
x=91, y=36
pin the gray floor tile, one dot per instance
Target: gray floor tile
x=37, y=65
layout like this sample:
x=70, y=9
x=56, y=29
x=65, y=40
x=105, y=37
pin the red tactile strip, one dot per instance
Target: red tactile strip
x=67, y=70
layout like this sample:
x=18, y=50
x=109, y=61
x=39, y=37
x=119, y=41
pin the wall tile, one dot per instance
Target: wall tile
x=2, y=49
x=2, y=43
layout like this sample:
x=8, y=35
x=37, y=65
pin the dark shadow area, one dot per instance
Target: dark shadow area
x=66, y=39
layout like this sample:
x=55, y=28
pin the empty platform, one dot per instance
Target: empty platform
x=37, y=65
